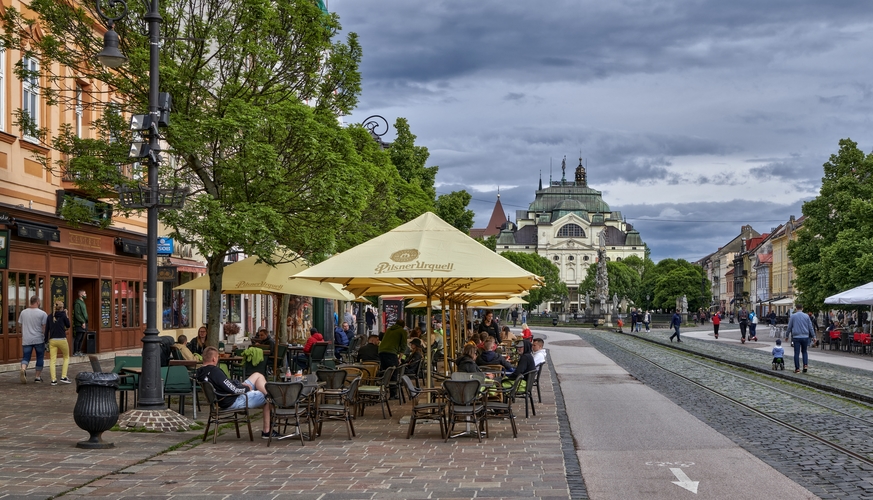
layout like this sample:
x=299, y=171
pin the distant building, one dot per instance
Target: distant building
x=563, y=224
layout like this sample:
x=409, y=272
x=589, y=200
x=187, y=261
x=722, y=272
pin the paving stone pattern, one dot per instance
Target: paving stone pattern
x=38, y=437
x=819, y=468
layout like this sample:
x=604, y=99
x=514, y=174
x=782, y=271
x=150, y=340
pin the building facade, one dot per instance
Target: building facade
x=563, y=224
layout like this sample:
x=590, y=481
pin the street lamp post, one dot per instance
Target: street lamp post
x=152, y=198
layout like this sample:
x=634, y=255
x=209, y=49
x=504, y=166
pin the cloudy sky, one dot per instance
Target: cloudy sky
x=693, y=116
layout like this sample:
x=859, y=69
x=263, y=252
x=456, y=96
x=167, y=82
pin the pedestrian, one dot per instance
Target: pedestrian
x=675, y=323
x=802, y=334
x=772, y=317
x=634, y=319
x=716, y=321
x=743, y=318
x=32, y=321
x=647, y=319
x=370, y=317
x=56, y=338
x=778, y=352
x=753, y=326
x=514, y=316
x=80, y=322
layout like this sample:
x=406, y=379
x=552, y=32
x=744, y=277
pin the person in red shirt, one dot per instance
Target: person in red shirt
x=302, y=359
x=526, y=334
x=716, y=320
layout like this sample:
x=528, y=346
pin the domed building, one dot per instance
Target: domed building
x=563, y=224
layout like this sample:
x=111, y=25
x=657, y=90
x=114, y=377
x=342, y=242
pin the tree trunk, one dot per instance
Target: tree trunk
x=215, y=268
x=282, y=325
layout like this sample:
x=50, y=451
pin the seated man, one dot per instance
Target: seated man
x=181, y=345
x=539, y=353
x=370, y=351
x=232, y=394
x=490, y=357
x=302, y=359
x=264, y=341
x=341, y=339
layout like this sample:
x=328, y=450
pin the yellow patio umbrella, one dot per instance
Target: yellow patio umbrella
x=426, y=256
x=253, y=276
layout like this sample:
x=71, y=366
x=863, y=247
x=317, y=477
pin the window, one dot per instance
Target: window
x=571, y=231
x=2, y=89
x=78, y=111
x=30, y=94
x=556, y=258
x=618, y=259
x=571, y=258
x=176, y=307
x=585, y=258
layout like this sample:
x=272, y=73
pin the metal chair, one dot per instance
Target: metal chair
x=465, y=404
x=318, y=357
x=285, y=404
x=128, y=382
x=218, y=416
x=503, y=409
x=372, y=394
x=536, y=382
x=394, y=383
x=527, y=392
x=343, y=410
x=177, y=382
x=435, y=410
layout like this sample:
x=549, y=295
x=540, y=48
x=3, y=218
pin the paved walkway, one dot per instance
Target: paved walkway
x=38, y=437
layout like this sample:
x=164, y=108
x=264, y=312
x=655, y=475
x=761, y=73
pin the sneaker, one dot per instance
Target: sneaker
x=54, y=382
x=268, y=435
x=65, y=380
x=37, y=379
x=716, y=335
x=23, y=376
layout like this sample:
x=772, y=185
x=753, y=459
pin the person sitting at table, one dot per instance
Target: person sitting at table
x=526, y=361
x=525, y=332
x=232, y=394
x=264, y=341
x=506, y=335
x=490, y=357
x=341, y=339
x=370, y=350
x=472, y=340
x=183, y=348
x=302, y=359
x=413, y=360
x=198, y=343
x=466, y=362
x=538, y=351
x=480, y=345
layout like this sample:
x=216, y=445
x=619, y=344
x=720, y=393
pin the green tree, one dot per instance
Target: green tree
x=553, y=288
x=452, y=208
x=832, y=251
x=671, y=279
x=490, y=242
x=414, y=190
x=624, y=280
x=256, y=88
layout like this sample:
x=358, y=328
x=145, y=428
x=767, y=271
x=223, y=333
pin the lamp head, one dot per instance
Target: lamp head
x=111, y=56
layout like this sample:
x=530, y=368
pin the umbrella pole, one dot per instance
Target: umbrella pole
x=429, y=327
x=445, y=338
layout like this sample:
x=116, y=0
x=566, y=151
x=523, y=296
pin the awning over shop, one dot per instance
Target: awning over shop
x=37, y=230
x=132, y=247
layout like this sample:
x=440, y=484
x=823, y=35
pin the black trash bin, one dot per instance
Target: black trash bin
x=96, y=409
x=90, y=342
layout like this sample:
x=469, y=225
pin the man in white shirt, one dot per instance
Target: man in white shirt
x=539, y=353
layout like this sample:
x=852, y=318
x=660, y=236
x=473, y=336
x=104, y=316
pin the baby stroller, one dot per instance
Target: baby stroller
x=778, y=364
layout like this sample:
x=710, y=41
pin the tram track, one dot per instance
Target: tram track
x=780, y=413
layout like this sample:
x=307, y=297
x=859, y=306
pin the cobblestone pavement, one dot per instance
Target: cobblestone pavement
x=815, y=466
x=40, y=459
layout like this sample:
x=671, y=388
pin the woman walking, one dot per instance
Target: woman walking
x=716, y=321
x=56, y=334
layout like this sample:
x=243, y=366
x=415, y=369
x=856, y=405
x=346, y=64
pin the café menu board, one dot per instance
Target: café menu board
x=106, y=303
x=393, y=311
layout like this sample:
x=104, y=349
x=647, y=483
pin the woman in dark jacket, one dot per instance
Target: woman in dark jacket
x=466, y=362
x=56, y=335
x=525, y=360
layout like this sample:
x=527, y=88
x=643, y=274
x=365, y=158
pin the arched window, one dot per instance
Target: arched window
x=568, y=258
x=553, y=258
x=583, y=258
x=571, y=231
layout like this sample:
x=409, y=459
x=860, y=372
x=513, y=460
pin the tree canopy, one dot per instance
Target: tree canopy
x=832, y=251
x=553, y=288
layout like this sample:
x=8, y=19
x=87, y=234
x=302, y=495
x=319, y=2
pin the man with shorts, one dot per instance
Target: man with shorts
x=232, y=394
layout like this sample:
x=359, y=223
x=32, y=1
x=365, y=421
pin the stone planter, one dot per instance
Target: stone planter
x=96, y=408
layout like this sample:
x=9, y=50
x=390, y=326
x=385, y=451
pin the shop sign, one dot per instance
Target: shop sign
x=165, y=246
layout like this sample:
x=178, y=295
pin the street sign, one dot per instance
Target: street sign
x=165, y=246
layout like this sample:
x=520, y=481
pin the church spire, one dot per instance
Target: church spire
x=580, y=174
x=541, y=180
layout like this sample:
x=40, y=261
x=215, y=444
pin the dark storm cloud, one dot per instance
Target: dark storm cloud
x=692, y=231
x=804, y=171
x=572, y=40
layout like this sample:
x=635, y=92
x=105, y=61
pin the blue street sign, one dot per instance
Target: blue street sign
x=165, y=246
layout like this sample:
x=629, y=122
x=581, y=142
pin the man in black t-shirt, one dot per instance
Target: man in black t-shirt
x=370, y=350
x=233, y=394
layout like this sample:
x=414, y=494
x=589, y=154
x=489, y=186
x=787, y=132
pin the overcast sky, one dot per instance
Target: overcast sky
x=694, y=116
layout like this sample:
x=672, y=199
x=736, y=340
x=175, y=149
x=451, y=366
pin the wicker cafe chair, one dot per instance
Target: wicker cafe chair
x=503, y=409
x=372, y=394
x=435, y=410
x=466, y=404
x=343, y=410
x=218, y=416
x=285, y=401
x=371, y=368
x=352, y=372
x=334, y=380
